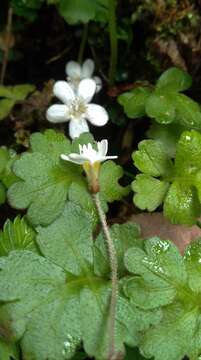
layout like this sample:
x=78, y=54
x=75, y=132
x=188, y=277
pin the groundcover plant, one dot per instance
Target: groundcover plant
x=100, y=180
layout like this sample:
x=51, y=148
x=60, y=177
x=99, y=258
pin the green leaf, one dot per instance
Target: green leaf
x=12, y=94
x=192, y=258
x=182, y=201
x=164, y=281
x=134, y=101
x=7, y=158
x=81, y=196
x=27, y=9
x=182, y=205
x=17, y=235
x=74, y=253
x=45, y=179
x=168, y=135
x=152, y=159
x=8, y=351
x=123, y=236
x=6, y=106
x=20, y=92
x=60, y=294
x=161, y=106
x=17, y=92
x=110, y=188
x=2, y=194
x=188, y=112
x=75, y=11
x=174, y=79
x=149, y=192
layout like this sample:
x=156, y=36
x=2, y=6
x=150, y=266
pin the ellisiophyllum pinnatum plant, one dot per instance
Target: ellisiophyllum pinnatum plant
x=73, y=287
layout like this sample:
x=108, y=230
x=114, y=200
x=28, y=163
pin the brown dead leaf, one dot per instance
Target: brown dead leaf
x=169, y=48
x=157, y=225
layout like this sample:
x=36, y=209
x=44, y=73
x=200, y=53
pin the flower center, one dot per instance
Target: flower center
x=77, y=108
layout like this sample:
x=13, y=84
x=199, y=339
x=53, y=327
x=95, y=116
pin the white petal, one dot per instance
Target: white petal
x=75, y=158
x=87, y=69
x=73, y=69
x=57, y=113
x=77, y=127
x=102, y=147
x=97, y=115
x=63, y=91
x=111, y=157
x=86, y=89
x=99, y=83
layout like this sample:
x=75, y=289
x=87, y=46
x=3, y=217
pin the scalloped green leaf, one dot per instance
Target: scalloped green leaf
x=182, y=200
x=110, y=187
x=17, y=235
x=161, y=106
x=134, y=101
x=165, y=281
x=60, y=294
x=149, y=192
x=168, y=135
x=45, y=179
x=152, y=159
x=174, y=79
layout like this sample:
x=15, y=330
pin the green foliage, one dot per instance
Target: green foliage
x=134, y=101
x=59, y=293
x=168, y=135
x=8, y=351
x=7, y=177
x=7, y=158
x=26, y=8
x=164, y=104
x=45, y=179
x=123, y=236
x=10, y=95
x=17, y=235
x=75, y=11
x=164, y=281
x=178, y=185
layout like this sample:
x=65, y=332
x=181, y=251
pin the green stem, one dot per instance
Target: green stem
x=83, y=43
x=113, y=41
x=114, y=276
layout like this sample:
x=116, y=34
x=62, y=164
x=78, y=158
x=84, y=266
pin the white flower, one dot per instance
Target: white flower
x=88, y=154
x=76, y=107
x=76, y=72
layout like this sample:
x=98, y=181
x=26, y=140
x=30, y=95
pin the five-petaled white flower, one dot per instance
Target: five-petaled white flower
x=89, y=155
x=76, y=107
x=76, y=72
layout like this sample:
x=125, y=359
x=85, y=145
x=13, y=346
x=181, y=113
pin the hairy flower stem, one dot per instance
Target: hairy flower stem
x=83, y=43
x=113, y=41
x=114, y=275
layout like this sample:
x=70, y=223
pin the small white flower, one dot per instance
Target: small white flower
x=76, y=72
x=88, y=154
x=76, y=107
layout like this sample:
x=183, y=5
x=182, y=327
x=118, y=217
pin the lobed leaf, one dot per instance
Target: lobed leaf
x=178, y=186
x=51, y=303
x=164, y=280
x=45, y=179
